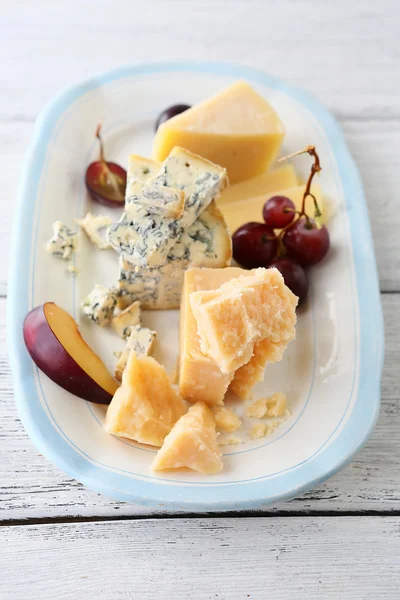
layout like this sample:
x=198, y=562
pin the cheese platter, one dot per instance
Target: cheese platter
x=196, y=286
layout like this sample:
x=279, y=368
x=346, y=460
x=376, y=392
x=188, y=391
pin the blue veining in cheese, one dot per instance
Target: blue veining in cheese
x=140, y=341
x=63, y=242
x=123, y=322
x=100, y=304
x=157, y=199
x=206, y=243
x=144, y=239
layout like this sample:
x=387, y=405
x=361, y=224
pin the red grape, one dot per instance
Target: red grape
x=294, y=275
x=106, y=182
x=278, y=212
x=305, y=242
x=170, y=112
x=254, y=245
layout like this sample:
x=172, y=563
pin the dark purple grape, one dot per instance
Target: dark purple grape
x=305, y=242
x=278, y=212
x=170, y=112
x=254, y=245
x=294, y=275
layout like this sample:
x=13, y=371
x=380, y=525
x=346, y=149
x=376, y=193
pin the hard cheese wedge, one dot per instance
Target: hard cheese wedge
x=238, y=213
x=243, y=311
x=146, y=406
x=237, y=129
x=192, y=443
x=253, y=372
x=199, y=376
x=278, y=179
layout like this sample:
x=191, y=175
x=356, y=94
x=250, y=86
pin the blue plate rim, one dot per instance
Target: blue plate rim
x=256, y=494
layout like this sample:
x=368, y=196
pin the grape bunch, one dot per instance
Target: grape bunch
x=300, y=243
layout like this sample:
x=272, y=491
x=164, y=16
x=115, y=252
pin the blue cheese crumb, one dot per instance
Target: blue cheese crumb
x=140, y=341
x=92, y=225
x=63, y=242
x=123, y=322
x=100, y=304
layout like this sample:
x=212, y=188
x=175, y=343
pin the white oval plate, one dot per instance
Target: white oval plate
x=332, y=371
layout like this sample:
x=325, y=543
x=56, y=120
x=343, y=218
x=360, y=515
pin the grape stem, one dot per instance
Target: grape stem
x=110, y=177
x=315, y=168
x=98, y=135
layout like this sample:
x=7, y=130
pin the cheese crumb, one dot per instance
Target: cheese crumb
x=230, y=440
x=258, y=430
x=92, y=225
x=226, y=419
x=273, y=406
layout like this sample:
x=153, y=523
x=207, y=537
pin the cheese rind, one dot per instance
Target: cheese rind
x=243, y=311
x=140, y=341
x=205, y=243
x=237, y=129
x=146, y=406
x=146, y=239
x=126, y=319
x=192, y=443
x=237, y=213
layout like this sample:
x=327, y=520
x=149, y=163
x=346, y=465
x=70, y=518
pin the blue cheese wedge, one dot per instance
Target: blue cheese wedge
x=92, y=225
x=146, y=239
x=126, y=319
x=100, y=304
x=157, y=199
x=141, y=169
x=140, y=341
x=63, y=242
x=206, y=243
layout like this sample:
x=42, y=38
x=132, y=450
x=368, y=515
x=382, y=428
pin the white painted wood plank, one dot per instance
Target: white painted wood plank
x=346, y=53
x=30, y=487
x=228, y=559
x=375, y=146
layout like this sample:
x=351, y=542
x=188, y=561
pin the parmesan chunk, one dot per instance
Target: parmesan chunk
x=192, y=443
x=146, y=406
x=243, y=311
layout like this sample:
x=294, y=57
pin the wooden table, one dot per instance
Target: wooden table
x=340, y=540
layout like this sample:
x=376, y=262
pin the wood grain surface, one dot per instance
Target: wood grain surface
x=58, y=539
x=229, y=559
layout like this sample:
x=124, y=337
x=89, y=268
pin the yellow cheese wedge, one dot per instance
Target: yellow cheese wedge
x=240, y=212
x=243, y=311
x=192, y=443
x=278, y=179
x=146, y=406
x=199, y=376
x=237, y=129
